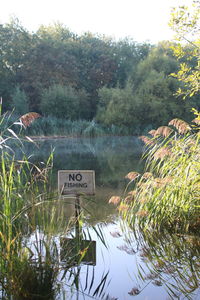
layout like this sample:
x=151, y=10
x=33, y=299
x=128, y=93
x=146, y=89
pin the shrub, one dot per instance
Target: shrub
x=20, y=101
x=63, y=102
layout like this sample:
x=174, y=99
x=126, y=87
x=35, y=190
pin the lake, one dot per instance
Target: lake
x=123, y=263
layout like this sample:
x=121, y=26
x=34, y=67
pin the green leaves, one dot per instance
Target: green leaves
x=61, y=102
x=185, y=22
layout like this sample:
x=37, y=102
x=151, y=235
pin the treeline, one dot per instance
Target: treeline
x=63, y=75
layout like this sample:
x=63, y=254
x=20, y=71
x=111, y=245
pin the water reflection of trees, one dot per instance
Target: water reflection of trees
x=110, y=157
x=171, y=260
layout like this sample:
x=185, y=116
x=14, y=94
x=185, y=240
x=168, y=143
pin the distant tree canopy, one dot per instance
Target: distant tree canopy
x=58, y=73
x=149, y=96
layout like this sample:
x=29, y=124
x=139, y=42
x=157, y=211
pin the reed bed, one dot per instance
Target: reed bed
x=50, y=126
x=23, y=189
x=167, y=194
x=32, y=220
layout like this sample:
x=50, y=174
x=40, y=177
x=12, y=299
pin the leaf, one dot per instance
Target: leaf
x=13, y=133
x=29, y=139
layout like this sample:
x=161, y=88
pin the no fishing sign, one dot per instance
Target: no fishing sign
x=76, y=182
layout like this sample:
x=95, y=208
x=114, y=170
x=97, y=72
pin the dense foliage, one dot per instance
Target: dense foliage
x=62, y=75
x=185, y=21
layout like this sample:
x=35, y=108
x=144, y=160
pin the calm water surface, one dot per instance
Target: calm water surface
x=147, y=267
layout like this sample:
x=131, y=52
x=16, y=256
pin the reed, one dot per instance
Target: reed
x=55, y=126
x=32, y=221
x=170, y=197
x=27, y=219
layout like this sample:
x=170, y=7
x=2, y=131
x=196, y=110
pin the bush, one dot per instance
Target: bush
x=63, y=102
x=117, y=107
x=20, y=101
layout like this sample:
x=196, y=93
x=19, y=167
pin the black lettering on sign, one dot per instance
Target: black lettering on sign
x=77, y=177
x=71, y=177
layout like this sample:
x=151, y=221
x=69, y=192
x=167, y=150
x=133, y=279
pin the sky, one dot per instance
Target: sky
x=141, y=20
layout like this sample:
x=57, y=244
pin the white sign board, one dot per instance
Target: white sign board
x=76, y=182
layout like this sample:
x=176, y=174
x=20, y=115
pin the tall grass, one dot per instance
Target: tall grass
x=167, y=194
x=22, y=190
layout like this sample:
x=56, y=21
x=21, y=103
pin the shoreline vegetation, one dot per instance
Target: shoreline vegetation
x=37, y=127
x=53, y=127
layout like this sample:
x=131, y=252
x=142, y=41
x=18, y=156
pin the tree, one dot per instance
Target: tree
x=62, y=102
x=50, y=61
x=97, y=66
x=15, y=42
x=117, y=107
x=185, y=22
x=148, y=98
x=128, y=54
x=155, y=89
x=20, y=101
x=56, y=56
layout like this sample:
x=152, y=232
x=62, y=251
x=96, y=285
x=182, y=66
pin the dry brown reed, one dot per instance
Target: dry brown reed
x=142, y=213
x=132, y=193
x=147, y=140
x=152, y=132
x=143, y=200
x=182, y=126
x=129, y=198
x=132, y=175
x=123, y=207
x=160, y=182
x=147, y=175
x=196, y=121
x=114, y=200
x=162, y=152
x=164, y=131
x=28, y=118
